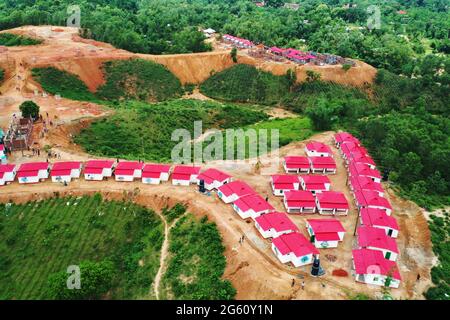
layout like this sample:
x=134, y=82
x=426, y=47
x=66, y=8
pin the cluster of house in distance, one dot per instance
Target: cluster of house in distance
x=302, y=190
x=280, y=54
x=374, y=260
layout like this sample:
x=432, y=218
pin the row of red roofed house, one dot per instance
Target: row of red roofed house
x=302, y=164
x=374, y=260
x=238, y=42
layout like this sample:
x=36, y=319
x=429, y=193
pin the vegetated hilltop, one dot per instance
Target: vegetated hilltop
x=124, y=79
x=144, y=131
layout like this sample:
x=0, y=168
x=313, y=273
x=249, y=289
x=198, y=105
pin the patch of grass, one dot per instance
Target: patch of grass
x=197, y=263
x=440, y=274
x=173, y=213
x=144, y=131
x=139, y=80
x=2, y=75
x=12, y=40
x=290, y=129
x=40, y=239
x=244, y=83
x=60, y=82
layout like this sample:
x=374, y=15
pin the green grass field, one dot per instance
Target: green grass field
x=196, y=262
x=39, y=239
x=144, y=131
x=11, y=40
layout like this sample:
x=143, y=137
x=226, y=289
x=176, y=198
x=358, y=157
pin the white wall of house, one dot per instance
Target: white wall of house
x=9, y=176
x=164, y=176
x=75, y=173
x=389, y=231
x=93, y=177
x=325, y=244
x=376, y=279
x=270, y=233
x=124, y=178
x=62, y=179
x=231, y=198
x=194, y=178
x=392, y=257
x=151, y=180
x=34, y=179
x=242, y=214
x=177, y=182
x=313, y=153
x=301, y=261
x=107, y=172
x=284, y=258
x=137, y=173
x=323, y=170
x=43, y=174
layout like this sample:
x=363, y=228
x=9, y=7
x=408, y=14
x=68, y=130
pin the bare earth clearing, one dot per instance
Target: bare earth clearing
x=252, y=268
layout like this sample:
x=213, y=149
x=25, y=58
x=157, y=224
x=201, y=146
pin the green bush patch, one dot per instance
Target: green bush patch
x=12, y=40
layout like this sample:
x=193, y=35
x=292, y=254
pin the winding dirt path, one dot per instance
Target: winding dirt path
x=164, y=252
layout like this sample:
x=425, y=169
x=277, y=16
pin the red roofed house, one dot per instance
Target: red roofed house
x=358, y=156
x=155, y=173
x=296, y=164
x=128, y=170
x=361, y=169
x=315, y=184
x=359, y=183
x=232, y=191
x=185, y=175
x=348, y=148
x=325, y=233
x=330, y=202
x=343, y=137
x=213, y=178
x=318, y=149
x=65, y=171
x=372, y=268
x=274, y=224
x=378, y=218
x=252, y=205
x=377, y=239
x=97, y=170
x=295, y=248
x=282, y=183
x=33, y=172
x=299, y=201
x=322, y=165
x=371, y=199
x=7, y=173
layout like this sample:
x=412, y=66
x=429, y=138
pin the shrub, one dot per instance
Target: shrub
x=29, y=109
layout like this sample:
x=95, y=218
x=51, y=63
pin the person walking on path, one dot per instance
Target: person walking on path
x=303, y=285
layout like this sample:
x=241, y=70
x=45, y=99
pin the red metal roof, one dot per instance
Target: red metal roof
x=297, y=162
x=60, y=172
x=345, y=137
x=376, y=238
x=124, y=172
x=279, y=221
x=296, y=243
x=253, y=202
x=211, y=175
x=66, y=165
x=318, y=147
x=371, y=198
x=284, y=182
x=377, y=217
x=129, y=165
x=33, y=166
x=365, y=183
x=332, y=200
x=102, y=164
x=184, y=172
x=27, y=174
x=92, y=170
x=361, y=157
x=325, y=225
x=315, y=183
x=362, y=169
x=373, y=262
x=7, y=168
x=151, y=174
x=299, y=199
x=237, y=187
x=159, y=168
x=322, y=162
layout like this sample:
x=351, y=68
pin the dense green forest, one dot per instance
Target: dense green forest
x=408, y=29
